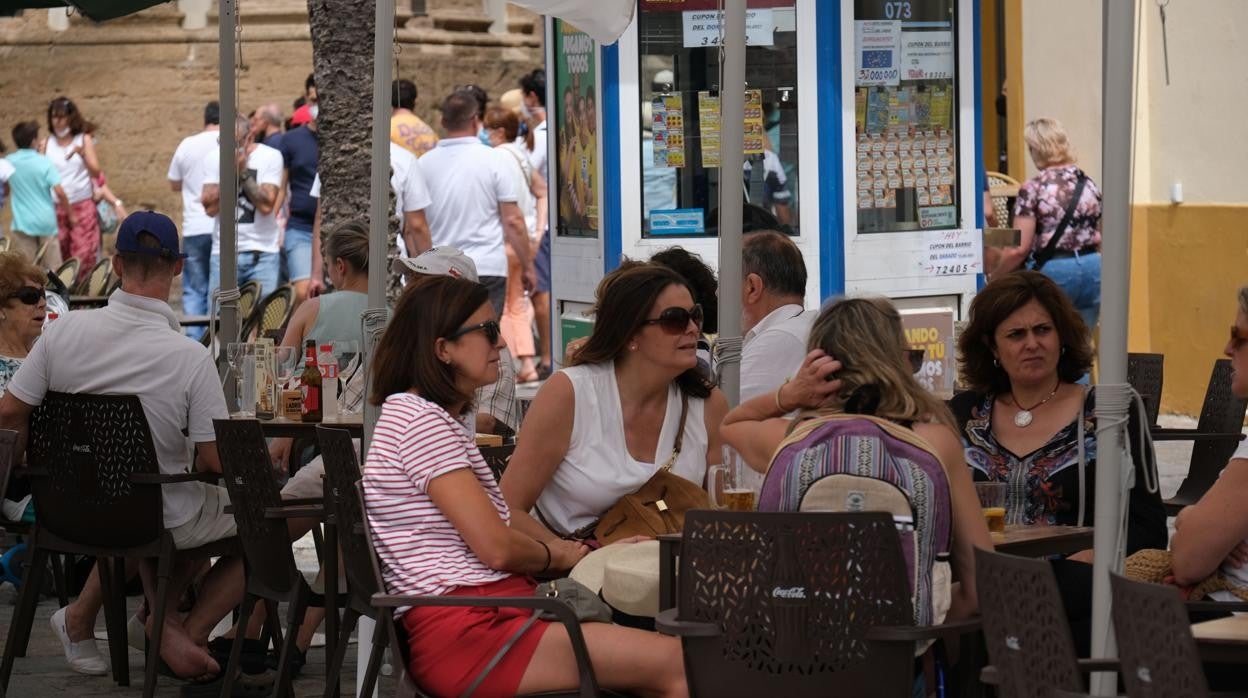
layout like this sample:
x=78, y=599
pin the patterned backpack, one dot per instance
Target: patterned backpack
x=852, y=462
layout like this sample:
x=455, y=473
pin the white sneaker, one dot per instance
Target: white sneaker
x=136, y=634
x=84, y=657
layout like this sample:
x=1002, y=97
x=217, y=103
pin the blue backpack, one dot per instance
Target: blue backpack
x=851, y=462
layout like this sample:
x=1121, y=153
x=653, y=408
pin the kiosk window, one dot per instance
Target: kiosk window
x=905, y=115
x=680, y=125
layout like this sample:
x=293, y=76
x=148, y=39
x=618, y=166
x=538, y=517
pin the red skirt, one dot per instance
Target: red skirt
x=449, y=646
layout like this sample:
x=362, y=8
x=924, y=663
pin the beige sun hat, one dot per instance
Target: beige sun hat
x=627, y=575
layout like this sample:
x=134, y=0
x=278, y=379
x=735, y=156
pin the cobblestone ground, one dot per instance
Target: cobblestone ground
x=43, y=671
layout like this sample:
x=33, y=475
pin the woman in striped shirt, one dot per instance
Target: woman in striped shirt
x=441, y=526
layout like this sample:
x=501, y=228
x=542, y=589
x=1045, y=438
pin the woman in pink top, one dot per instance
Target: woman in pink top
x=441, y=526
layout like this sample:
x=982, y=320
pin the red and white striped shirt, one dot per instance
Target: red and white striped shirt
x=421, y=551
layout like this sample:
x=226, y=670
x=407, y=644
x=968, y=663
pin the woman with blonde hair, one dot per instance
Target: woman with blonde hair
x=1059, y=215
x=872, y=374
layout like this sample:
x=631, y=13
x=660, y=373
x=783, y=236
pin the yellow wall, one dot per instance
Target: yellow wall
x=1187, y=263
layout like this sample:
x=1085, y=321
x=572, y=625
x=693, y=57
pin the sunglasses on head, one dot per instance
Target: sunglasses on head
x=675, y=320
x=1237, y=339
x=915, y=357
x=490, y=327
x=30, y=295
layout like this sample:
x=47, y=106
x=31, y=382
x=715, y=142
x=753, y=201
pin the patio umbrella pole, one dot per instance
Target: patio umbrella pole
x=732, y=160
x=1113, y=393
x=227, y=25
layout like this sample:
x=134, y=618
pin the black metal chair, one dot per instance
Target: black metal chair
x=8, y=446
x=1028, y=637
x=272, y=313
x=1145, y=373
x=1217, y=433
x=96, y=485
x=392, y=632
x=794, y=603
x=272, y=576
x=1155, y=643
x=68, y=271
x=497, y=458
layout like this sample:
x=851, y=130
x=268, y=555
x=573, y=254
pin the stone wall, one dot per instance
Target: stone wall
x=144, y=79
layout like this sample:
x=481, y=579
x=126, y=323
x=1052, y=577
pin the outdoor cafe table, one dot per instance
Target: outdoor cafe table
x=1223, y=640
x=1024, y=541
x=293, y=428
x=194, y=320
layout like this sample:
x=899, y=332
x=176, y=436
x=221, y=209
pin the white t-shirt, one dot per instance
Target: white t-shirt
x=75, y=179
x=257, y=232
x=136, y=348
x=597, y=469
x=1237, y=575
x=421, y=551
x=774, y=349
x=406, y=181
x=6, y=170
x=524, y=173
x=185, y=167
x=467, y=182
x=537, y=156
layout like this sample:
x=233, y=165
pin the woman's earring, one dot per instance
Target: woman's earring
x=1063, y=351
x=995, y=362
x=632, y=347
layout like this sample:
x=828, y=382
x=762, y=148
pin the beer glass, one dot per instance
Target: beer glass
x=992, y=502
x=729, y=484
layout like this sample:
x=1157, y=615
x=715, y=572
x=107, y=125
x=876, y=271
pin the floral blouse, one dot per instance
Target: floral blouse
x=1045, y=197
x=8, y=367
x=1044, y=485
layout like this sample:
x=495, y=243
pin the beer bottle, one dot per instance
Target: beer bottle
x=310, y=385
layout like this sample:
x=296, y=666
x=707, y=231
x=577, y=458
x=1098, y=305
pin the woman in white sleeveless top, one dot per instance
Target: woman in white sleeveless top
x=71, y=148
x=600, y=429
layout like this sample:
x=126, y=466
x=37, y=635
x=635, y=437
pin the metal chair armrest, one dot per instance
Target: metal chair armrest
x=164, y=479
x=669, y=550
x=303, y=501
x=1193, y=435
x=668, y=624
x=1216, y=606
x=295, y=512
x=562, y=612
x=913, y=633
x=1089, y=665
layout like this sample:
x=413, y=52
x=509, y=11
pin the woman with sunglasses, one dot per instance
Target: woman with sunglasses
x=599, y=429
x=441, y=527
x=22, y=309
x=868, y=379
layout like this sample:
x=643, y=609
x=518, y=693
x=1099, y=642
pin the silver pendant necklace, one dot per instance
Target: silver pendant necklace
x=1024, y=417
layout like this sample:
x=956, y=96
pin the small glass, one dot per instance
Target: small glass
x=992, y=503
x=241, y=358
x=730, y=485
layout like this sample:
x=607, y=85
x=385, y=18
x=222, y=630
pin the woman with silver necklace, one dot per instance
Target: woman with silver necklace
x=1026, y=421
x=1022, y=357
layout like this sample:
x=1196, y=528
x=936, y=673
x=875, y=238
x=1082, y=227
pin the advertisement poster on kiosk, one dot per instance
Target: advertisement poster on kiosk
x=576, y=128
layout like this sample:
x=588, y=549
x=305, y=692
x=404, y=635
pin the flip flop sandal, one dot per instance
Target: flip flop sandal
x=245, y=686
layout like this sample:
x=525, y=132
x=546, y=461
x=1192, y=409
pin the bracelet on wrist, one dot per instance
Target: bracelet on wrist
x=779, y=406
x=545, y=567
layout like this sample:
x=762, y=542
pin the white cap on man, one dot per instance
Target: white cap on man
x=438, y=261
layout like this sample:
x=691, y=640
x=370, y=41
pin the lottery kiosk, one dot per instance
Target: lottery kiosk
x=862, y=142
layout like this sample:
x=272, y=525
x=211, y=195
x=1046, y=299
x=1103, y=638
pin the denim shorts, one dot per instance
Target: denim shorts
x=297, y=253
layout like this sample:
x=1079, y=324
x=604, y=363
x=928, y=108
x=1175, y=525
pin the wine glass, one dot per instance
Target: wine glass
x=237, y=356
x=285, y=363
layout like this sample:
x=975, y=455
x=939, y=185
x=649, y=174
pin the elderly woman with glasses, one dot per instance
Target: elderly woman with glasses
x=22, y=306
x=601, y=428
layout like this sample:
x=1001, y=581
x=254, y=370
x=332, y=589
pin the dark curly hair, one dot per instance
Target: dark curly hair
x=997, y=301
x=701, y=280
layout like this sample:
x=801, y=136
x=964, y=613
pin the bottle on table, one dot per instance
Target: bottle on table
x=329, y=381
x=310, y=385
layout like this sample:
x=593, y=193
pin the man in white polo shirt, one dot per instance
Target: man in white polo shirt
x=134, y=346
x=186, y=175
x=775, y=323
x=474, y=199
x=259, y=198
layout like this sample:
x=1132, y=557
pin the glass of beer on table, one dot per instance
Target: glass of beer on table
x=732, y=485
x=992, y=502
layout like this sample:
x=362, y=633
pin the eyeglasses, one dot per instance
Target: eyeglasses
x=490, y=327
x=675, y=320
x=915, y=356
x=1237, y=340
x=30, y=295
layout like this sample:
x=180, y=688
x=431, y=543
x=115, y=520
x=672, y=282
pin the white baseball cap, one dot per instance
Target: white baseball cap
x=438, y=261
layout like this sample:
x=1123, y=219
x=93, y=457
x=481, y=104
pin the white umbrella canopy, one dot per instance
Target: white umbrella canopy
x=604, y=20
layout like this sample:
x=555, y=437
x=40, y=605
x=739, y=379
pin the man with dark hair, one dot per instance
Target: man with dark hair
x=406, y=129
x=32, y=180
x=137, y=348
x=474, y=194
x=186, y=175
x=300, y=161
x=773, y=318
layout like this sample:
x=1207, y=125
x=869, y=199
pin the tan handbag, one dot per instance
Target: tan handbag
x=660, y=504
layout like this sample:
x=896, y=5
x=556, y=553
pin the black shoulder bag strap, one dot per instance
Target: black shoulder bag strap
x=1047, y=253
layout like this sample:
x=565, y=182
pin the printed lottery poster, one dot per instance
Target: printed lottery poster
x=877, y=44
x=576, y=127
x=709, y=125
x=668, y=127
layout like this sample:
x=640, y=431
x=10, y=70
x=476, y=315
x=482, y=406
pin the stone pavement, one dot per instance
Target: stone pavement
x=43, y=671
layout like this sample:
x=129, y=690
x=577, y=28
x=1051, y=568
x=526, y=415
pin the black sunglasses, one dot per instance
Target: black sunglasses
x=490, y=327
x=675, y=320
x=915, y=356
x=30, y=295
x=1237, y=340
